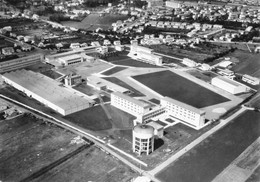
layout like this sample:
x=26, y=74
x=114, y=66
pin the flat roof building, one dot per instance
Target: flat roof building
x=19, y=63
x=184, y=113
x=228, y=85
x=142, y=110
x=251, y=80
x=47, y=91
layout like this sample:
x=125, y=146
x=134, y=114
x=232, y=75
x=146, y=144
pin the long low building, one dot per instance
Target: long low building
x=47, y=91
x=228, y=85
x=184, y=113
x=19, y=63
x=68, y=58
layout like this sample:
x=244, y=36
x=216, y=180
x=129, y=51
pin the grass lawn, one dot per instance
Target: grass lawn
x=113, y=70
x=117, y=81
x=214, y=154
x=179, y=88
x=52, y=74
x=93, y=118
x=249, y=63
x=84, y=88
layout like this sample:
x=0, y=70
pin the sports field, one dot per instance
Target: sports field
x=179, y=88
x=204, y=162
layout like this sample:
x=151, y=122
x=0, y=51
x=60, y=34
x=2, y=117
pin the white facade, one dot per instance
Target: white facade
x=228, y=85
x=20, y=63
x=184, y=113
x=47, y=91
x=143, y=139
x=146, y=55
x=189, y=62
x=143, y=111
x=251, y=80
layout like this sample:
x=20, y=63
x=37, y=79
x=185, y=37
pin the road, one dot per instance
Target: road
x=194, y=143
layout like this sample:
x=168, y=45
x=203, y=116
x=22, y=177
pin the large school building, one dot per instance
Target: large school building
x=184, y=113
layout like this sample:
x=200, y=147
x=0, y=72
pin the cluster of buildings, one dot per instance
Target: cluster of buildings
x=186, y=10
x=168, y=108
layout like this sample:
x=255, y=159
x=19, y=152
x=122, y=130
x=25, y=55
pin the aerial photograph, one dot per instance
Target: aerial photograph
x=129, y=90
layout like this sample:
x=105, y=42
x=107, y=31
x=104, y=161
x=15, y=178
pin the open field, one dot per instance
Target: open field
x=95, y=118
x=179, y=88
x=117, y=81
x=249, y=63
x=28, y=144
x=214, y=154
x=94, y=21
x=175, y=138
x=194, y=54
x=113, y=70
x=243, y=166
x=85, y=69
x=90, y=165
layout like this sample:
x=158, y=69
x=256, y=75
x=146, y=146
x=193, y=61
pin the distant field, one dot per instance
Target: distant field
x=123, y=84
x=123, y=59
x=113, y=70
x=179, y=88
x=94, y=21
x=28, y=145
x=214, y=154
x=249, y=63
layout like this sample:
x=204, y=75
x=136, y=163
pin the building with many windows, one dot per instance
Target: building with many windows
x=145, y=54
x=251, y=80
x=142, y=110
x=186, y=114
